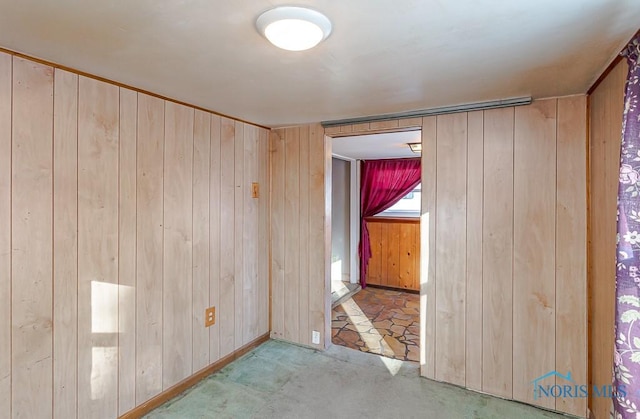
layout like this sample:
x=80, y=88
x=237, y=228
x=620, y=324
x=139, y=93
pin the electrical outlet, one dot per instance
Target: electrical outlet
x=255, y=190
x=210, y=317
x=315, y=337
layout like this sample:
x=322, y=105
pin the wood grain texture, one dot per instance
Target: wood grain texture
x=149, y=251
x=407, y=249
x=467, y=276
x=292, y=237
x=428, y=250
x=475, y=195
x=497, y=253
x=391, y=243
x=214, y=236
x=264, y=254
x=395, y=253
x=31, y=244
x=226, y=313
x=320, y=233
x=410, y=122
x=383, y=125
x=277, y=151
x=571, y=236
x=451, y=220
x=65, y=244
x=599, y=354
x=5, y=233
x=534, y=247
x=98, y=132
x=201, y=231
x=177, y=274
x=239, y=203
x=250, y=236
x=304, y=247
x=605, y=121
x=91, y=275
x=374, y=269
x=382, y=243
x=127, y=221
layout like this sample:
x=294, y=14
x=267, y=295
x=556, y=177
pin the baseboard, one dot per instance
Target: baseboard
x=188, y=382
x=384, y=287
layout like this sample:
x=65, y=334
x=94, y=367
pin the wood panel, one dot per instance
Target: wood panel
x=534, y=247
x=383, y=125
x=292, y=237
x=474, y=306
x=450, y=245
x=395, y=252
x=215, y=247
x=98, y=133
x=408, y=255
x=374, y=269
x=391, y=243
x=65, y=244
x=249, y=236
x=201, y=230
x=571, y=236
x=5, y=233
x=177, y=273
x=127, y=221
x=264, y=254
x=238, y=258
x=475, y=332
x=226, y=314
x=31, y=243
x=497, y=253
x=320, y=234
x=605, y=122
x=428, y=291
x=278, y=170
x=106, y=220
x=149, y=252
x=303, y=183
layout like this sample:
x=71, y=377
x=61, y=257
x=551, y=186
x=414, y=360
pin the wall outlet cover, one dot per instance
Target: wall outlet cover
x=210, y=317
x=315, y=337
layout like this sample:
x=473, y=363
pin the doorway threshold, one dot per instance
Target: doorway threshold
x=342, y=291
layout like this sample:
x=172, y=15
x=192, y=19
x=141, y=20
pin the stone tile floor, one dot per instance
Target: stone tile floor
x=379, y=321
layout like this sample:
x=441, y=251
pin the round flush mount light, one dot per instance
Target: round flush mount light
x=294, y=28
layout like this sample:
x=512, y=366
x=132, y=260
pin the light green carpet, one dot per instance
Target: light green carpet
x=280, y=380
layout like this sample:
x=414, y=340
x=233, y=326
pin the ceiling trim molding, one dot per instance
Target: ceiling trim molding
x=477, y=106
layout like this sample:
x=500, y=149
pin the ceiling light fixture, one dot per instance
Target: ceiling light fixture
x=294, y=28
x=415, y=147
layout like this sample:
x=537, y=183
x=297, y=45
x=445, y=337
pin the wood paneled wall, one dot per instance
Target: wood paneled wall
x=506, y=299
x=300, y=231
x=606, y=105
x=122, y=217
x=503, y=243
x=395, y=253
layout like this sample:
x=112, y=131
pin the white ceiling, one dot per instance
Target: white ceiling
x=383, y=56
x=376, y=146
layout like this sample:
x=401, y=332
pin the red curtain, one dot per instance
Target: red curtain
x=383, y=183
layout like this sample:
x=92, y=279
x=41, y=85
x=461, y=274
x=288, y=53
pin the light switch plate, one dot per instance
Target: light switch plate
x=255, y=190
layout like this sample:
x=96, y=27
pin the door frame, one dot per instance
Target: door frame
x=427, y=238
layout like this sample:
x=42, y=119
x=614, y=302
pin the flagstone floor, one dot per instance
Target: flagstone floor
x=379, y=321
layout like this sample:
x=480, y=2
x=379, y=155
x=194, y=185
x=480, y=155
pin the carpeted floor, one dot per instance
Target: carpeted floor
x=379, y=321
x=280, y=380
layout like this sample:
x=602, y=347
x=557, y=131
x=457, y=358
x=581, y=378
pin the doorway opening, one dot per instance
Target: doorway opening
x=383, y=317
